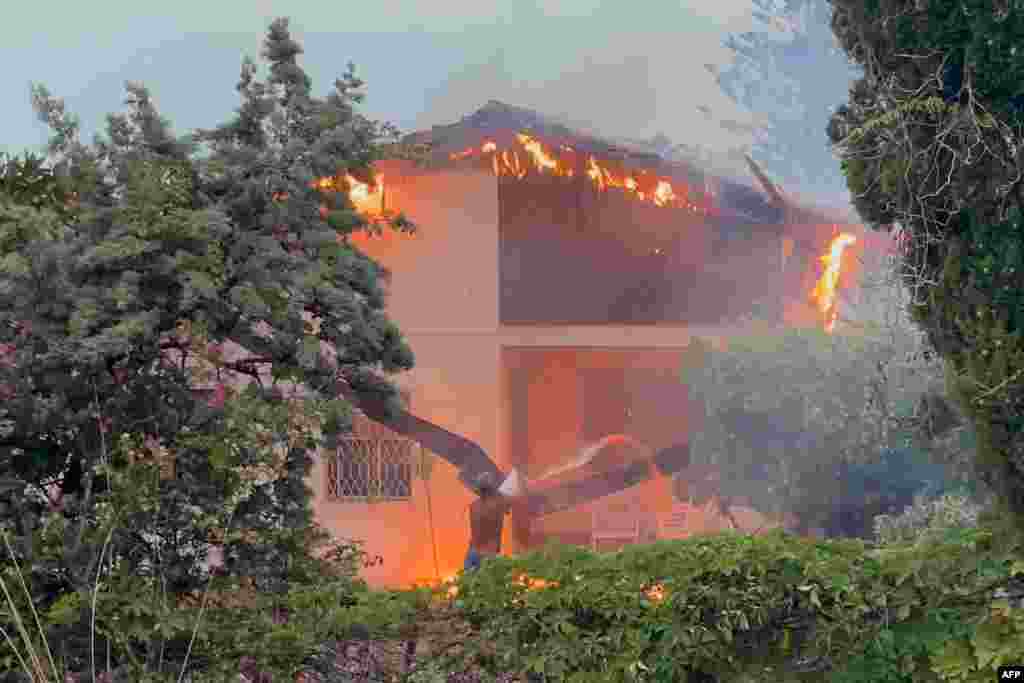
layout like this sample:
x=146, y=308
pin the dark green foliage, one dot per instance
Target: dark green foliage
x=993, y=264
x=902, y=654
x=908, y=137
x=169, y=255
x=975, y=315
x=740, y=608
x=28, y=181
x=974, y=33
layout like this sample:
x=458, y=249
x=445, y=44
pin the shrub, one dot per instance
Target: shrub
x=928, y=519
x=732, y=608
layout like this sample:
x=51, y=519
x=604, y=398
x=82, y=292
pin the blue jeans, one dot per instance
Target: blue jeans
x=472, y=560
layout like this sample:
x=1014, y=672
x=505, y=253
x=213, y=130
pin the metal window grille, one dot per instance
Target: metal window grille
x=371, y=468
x=372, y=463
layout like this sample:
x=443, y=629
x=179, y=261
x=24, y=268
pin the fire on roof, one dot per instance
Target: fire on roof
x=516, y=143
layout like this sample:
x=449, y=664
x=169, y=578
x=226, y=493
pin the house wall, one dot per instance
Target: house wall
x=443, y=296
x=454, y=386
x=443, y=279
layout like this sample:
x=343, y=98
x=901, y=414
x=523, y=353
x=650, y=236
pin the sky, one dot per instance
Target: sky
x=607, y=66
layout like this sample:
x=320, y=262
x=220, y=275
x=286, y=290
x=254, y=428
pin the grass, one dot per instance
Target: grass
x=32, y=664
x=438, y=632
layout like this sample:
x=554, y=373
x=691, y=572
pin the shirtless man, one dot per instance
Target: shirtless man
x=485, y=521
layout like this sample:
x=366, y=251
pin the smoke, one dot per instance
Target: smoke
x=611, y=74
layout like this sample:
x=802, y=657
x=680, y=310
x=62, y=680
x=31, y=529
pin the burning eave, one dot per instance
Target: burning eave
x=517, y=143
x=491, y=138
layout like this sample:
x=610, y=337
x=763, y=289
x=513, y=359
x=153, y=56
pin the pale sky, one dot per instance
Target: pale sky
x=620, y=68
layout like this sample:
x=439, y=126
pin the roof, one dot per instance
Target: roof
x=497, y=118
x=500, y=122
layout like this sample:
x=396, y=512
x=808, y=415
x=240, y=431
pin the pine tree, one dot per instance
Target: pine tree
x=180, y=247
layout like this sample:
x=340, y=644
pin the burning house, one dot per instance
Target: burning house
x=547, y=296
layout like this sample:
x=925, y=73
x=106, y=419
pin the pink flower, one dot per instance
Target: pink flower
x=219, y=396
x=7, y=354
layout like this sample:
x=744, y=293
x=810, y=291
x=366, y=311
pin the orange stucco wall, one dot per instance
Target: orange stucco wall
x=455, y=386
x=553, y=411
x=443, y=296
x=445, y=277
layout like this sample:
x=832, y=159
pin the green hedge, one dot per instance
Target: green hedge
x=735, y=608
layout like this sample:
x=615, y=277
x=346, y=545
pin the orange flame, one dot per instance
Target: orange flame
x=663, y=194
x=368, y=200
x=655, y=593
x=455, y=156
x=452, y=590
x=533, y=584
x=659, y=192
x=825, y=290
x=541, y=158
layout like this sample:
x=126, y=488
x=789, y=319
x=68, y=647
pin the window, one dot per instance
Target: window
x=371, y=463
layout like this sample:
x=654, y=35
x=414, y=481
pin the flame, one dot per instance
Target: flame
x=453, y=590
x=533, y=584
x=545, y=160
x=369, y=201
x=655, y=593
x=825, y=290
x=541, y=158
x=663, y=194
x=360, y=192
x=523, y=580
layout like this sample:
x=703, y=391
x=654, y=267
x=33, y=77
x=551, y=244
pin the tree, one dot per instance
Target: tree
x=789, y=74
x=811, y=423
x=930, y=143
x=179, y=249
